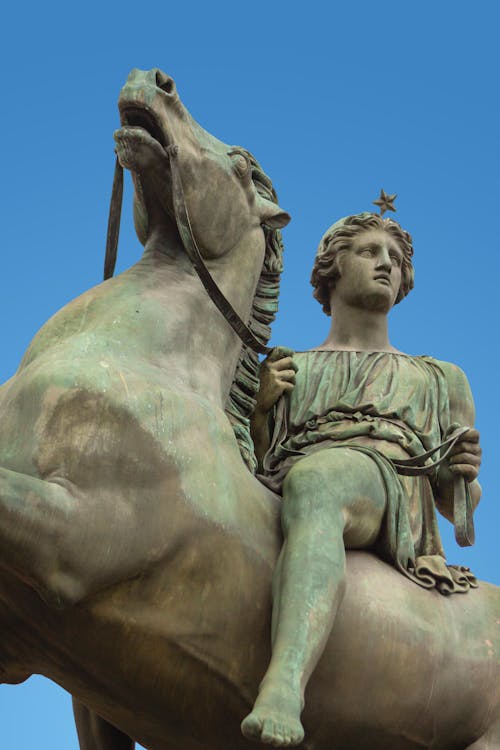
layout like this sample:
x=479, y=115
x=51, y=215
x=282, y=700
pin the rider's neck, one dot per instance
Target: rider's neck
x=357, y=329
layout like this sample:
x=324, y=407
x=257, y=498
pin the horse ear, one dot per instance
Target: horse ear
x=272, y=215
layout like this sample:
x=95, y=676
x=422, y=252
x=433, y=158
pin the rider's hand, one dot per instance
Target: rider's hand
x=465, y=457
x=277, y=376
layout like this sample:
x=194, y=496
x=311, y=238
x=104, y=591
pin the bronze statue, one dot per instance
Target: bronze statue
x=361, y=414
x=137, y=546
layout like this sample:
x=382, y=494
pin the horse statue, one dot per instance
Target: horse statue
x=136, y=545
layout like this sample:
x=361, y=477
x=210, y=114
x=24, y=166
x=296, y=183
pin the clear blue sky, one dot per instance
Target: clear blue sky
x=336, y=99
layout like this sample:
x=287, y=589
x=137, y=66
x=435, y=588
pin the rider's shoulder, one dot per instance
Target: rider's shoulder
x=453, y=374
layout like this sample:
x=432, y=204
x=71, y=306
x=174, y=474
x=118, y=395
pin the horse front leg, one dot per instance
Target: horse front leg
x=94, y=733
x=67, y=543
x=15, y=655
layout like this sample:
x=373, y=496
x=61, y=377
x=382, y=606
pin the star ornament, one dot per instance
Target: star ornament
x=385, y=202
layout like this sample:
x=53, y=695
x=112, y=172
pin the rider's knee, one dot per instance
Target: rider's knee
x=305, y=492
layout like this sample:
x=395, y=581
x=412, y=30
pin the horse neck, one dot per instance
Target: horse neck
x=200, y=350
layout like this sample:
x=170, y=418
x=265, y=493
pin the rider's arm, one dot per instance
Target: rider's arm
x=277, y=376
x=465, y=457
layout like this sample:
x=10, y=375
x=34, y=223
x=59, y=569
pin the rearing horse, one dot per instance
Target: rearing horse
x=137, y=549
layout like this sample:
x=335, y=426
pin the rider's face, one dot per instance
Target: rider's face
x=370, y=272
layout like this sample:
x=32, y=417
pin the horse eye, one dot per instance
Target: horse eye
x=241, y=164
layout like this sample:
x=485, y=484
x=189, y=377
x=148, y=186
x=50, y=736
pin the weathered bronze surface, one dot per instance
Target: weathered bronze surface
x=355, y=425
x=136, y=547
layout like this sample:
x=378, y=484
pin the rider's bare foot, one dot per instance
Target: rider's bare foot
x=275, y=718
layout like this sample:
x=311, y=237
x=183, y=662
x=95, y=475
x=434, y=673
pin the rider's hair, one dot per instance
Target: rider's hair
x=337, y=240
x=241, y=400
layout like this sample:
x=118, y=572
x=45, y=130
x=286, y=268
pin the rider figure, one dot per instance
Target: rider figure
x=344, y=413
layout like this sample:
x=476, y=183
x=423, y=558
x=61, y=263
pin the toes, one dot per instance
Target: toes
x=251, y=727
x=269, y=733
x=286, y=735
x=272, y=731
x=276, y=733
x=297, y=736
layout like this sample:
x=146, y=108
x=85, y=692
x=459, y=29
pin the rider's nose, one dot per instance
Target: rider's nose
x=164, y=82
x=384, y=260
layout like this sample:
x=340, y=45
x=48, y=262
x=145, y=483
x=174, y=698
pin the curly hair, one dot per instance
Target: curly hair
x=337, y=240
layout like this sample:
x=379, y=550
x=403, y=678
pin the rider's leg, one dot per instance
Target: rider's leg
x=331, y=499
x=95, y=733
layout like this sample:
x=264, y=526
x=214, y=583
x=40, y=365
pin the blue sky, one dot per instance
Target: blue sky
x=336, y=100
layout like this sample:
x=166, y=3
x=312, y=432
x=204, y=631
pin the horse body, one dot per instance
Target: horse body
x=137, y=550
x=199, y=646
x=165, y=656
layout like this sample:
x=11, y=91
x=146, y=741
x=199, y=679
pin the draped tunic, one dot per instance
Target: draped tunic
x=389, y=406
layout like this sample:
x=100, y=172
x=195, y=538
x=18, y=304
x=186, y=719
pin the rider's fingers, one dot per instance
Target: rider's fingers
x=465, y=470
x=285, y=385
x=286, y=363
x=465, y=458
x=286, y=375
x=465, y=447
x=279, y=352
x=472, y=435
x=281, y=364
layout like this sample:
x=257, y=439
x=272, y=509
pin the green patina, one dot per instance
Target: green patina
x=137, y=549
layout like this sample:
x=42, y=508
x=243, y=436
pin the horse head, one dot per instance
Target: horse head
x=233, y=215
x=222, y=199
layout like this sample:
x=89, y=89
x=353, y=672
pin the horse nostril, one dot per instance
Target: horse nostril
x=165, y=83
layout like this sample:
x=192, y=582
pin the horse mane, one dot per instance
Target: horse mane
x=241, y=400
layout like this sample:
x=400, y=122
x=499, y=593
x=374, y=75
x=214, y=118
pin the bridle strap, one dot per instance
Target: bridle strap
x=186, y=234
x=115, y=210
x=189, y=243
x=463, y=519
x=417, y=465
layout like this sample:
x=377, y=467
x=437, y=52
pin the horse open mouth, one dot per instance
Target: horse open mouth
x=143, y=118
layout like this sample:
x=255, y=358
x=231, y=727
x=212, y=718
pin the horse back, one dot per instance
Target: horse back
x=403, y=661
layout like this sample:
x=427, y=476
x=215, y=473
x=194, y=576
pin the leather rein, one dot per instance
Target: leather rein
x=189, y=243
x=462, y=503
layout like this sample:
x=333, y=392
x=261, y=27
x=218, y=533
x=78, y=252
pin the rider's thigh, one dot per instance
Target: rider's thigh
x=336, y=486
